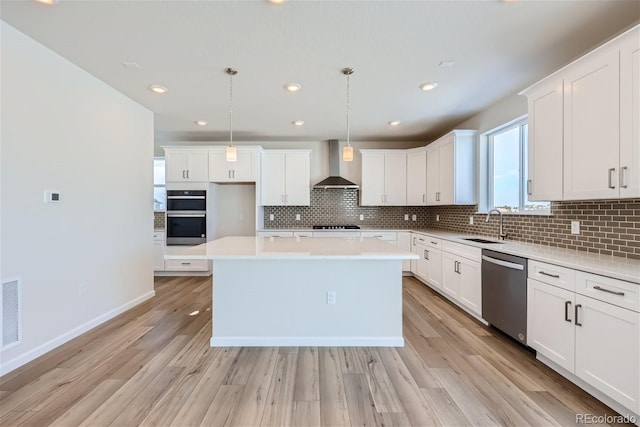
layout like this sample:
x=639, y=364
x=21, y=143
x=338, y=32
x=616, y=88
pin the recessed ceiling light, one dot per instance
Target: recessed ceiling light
x=276, y=1
x=201, y=122
x=428, y=86
x=394, y=122
x=292, y=87
x=158, y=89
x=297, y=122
x=48, y=2
x=131, y=64
x=447, y=63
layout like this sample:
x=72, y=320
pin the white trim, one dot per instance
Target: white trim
x=247, y=341
x=8, y=366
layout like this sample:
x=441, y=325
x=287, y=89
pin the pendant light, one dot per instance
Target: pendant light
x=347, y=151
x=232, y=152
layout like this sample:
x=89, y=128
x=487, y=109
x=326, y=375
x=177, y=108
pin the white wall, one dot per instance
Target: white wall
x=62, y=129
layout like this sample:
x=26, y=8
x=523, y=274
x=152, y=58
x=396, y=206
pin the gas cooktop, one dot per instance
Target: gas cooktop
x=336, y=227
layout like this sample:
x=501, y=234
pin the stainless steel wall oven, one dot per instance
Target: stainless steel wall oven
x=186, y=217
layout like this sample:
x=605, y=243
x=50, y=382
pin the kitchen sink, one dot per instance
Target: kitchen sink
x=478, y=240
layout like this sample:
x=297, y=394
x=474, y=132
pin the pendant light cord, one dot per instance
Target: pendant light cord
x=230, y=108
x=348, y=108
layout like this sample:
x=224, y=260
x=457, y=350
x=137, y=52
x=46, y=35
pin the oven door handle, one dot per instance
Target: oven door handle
x=186, y=215
x=502, y=263
x=186, y=197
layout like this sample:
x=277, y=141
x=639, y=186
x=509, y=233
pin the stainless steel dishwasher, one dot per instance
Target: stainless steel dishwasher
x=504, y=293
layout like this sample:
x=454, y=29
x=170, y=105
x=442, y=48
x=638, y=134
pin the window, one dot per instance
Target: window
x=159, y=189
x=507, y=170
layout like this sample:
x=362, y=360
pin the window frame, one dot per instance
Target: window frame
x=489, y=202
x=163, y=185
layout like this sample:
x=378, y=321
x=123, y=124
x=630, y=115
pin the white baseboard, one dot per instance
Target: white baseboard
x=307, y=341
x=8, y=366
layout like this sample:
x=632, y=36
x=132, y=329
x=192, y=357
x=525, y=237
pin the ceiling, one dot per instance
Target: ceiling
x=498, y=47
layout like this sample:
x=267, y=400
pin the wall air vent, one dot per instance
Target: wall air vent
x=11, y=312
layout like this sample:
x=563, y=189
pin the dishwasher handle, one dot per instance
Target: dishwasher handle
x=502, y=263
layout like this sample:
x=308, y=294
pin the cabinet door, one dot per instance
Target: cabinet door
x=470, y=285
x=297, y=176
x=433, y=174
x=244, y=168
x=607, y=352
x=218, y=167
x=447, y=171
x=417, y=178
x=450, y=277
x=548, y=330
x=434, y=270
x=592, y=127
x=198, y=165
x=272, y=185
x=422, y=266
x=395, y=179
x=630, y=115
x=372, y=186
x=404, y=243
x=414, y=249
x=544, y=181
x=176, y=166
x=158, y=255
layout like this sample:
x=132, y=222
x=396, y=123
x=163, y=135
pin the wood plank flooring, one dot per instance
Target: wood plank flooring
x=153, y=366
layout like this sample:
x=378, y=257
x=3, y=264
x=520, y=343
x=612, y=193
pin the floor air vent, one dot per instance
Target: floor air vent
x=10, y=312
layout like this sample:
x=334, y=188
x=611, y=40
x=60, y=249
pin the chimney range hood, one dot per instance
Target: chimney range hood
x=334, y=181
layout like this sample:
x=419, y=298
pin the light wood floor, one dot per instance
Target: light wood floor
x=153, y=366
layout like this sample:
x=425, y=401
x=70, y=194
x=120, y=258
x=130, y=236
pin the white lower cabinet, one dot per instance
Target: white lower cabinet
x=158, y=250
x=429, y=266
x=404, y=242
x=462, y=275
x=591, y=338
x=186, y=265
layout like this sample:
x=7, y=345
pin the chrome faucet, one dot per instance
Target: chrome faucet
x=502, y=234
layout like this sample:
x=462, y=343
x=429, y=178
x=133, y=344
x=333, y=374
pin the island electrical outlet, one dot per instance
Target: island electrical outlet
x=331, y=297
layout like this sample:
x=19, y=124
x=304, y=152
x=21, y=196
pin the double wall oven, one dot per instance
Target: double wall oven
x=186, y=217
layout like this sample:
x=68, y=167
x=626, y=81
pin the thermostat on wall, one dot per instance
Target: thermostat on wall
x=51, y=196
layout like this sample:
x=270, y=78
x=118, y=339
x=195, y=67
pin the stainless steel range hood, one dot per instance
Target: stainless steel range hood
x=335, y=180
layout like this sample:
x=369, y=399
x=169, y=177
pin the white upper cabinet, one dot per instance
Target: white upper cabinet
x=451, y=169
x=592, y=126
x=417, y=177
x=630, y=115
x=286, y=178
x=244, y=169
x=545, y=141
x=584, y=126
x=186, y=164
x=384, y=178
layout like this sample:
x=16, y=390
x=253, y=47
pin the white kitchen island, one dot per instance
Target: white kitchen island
x=293, y=291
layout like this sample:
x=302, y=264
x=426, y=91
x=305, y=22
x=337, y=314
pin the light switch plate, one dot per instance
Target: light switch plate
x=471, y=220
x=414, y=217
x=271, y=217
x=361, y=217
x=437, y=217
x=297, y=217
x=406, y=217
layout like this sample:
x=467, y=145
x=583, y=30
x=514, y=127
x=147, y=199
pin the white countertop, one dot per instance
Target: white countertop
x=606, y=265
x=290, y=248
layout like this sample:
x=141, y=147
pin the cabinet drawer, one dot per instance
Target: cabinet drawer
x=613, y=291
x=433, y=242
x=275, y=233
x=382, y=235
x=561, y=277
x=470, y=252
x=302, y=234
x=186, y=265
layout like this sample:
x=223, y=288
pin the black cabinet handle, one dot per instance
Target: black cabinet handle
x=609, y=291
x=566, y=311
x=576, y=315
x=555, y=276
